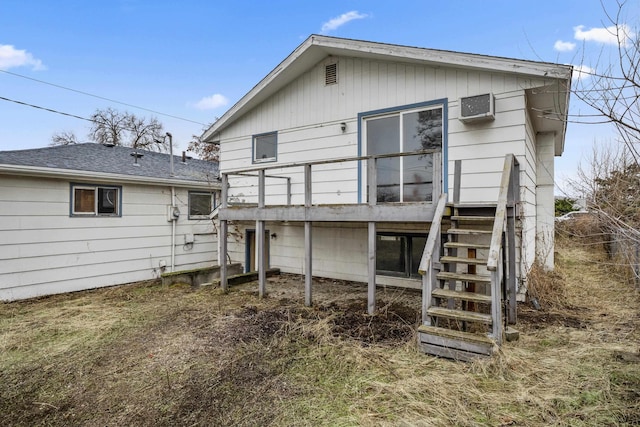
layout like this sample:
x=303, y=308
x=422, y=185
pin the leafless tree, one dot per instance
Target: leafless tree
x=204, y=150
x=611, y=86
x=110, y=126
x=65, y=137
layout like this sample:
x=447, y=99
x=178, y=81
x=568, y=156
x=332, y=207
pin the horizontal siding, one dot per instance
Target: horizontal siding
x=43, y=250
x=307, y=116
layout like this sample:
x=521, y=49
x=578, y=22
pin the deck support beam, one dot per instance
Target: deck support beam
x=222, y=238
x=260, y=246
x=371, y=295
x=308, y=241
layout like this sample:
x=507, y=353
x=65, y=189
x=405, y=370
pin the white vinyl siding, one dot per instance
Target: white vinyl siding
x=43, y=250
x=308, y=115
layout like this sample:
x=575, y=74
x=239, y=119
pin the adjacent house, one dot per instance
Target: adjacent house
x=84, y=216
x=398, y=165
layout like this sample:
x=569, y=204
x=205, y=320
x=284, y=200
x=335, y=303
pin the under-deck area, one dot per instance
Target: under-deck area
x=371, y=212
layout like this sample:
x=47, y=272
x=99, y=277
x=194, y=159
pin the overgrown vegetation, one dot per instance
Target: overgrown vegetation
x=146, y=354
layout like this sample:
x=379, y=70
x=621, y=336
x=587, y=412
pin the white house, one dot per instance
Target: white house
x=340, y=155
x=88, y=215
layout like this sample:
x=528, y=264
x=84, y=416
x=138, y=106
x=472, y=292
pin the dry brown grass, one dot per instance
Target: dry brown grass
x=150, y=355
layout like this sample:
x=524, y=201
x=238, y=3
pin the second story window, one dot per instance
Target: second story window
x=265, y=147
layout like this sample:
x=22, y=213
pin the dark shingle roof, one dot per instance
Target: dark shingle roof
x=89, y=157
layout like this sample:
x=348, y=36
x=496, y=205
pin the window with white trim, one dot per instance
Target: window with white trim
x=408, y=178
x=265, y=147
x=201, y=204
x=95, y=200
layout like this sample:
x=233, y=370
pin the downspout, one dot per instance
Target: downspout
x=173, y=206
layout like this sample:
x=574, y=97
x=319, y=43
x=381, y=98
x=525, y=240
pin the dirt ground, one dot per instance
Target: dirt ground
x=147, y=354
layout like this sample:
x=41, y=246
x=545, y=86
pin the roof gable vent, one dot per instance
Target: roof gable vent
x=478, y=108
x=331, y=73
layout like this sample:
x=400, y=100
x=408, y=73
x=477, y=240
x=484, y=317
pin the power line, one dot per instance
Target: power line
x=46, y=109
x=102, y=97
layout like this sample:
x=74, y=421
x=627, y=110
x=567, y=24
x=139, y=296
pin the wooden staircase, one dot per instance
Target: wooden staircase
x=468, y=270
x=458, y=318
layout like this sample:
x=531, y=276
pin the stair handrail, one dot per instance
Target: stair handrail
x=431, y=249
x=504, y=221
x=510, y=164
x=434, y=234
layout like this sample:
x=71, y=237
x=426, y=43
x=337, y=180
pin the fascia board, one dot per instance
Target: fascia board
x=18, y=170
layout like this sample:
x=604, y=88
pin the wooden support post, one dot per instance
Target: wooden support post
x=260, y=246
x=457, y=176
x=224, y=284
x=512, y=316
x=372, y=182
x=308, y=263
x=371, y=297
x=496, y=298
x=308, y=241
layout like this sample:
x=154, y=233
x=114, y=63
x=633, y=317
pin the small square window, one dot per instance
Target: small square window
x=265, y=147
x=201, y=204
x=95, y=200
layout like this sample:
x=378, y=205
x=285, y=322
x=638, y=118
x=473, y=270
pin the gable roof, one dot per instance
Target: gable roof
x=110, y=163
x=317, y=47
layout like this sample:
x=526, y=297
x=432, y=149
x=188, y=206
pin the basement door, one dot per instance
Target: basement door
x=251, y=256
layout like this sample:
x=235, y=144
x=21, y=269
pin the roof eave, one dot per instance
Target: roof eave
x=324, y=46
x=34, y=171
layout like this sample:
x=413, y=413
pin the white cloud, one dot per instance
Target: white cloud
x=608, y=35
x=212, y=102
x=10, y=57
x=561, y=46
x=339, y=21
x=582, y=72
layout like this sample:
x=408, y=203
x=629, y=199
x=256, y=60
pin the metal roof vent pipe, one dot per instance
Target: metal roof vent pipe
x=171, y=173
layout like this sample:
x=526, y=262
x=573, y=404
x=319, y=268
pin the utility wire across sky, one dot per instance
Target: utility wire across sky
x=94, y=96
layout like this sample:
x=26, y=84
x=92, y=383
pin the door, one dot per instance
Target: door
x=407, y=178
x=251, y=257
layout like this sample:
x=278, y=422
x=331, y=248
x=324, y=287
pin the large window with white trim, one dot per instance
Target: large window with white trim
x=407, y=178
x=95, y=200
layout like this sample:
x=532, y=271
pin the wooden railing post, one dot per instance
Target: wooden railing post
x=514, y=191
x=223, y=233
x=372, y=181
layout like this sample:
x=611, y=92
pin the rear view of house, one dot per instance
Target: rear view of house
x=343, y=158
x=88, y=215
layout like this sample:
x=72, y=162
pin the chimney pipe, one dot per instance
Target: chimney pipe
x=184, y=157
x=171, y=152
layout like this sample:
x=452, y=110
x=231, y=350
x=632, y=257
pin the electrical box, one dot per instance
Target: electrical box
x=173, y=213
x=189, y=238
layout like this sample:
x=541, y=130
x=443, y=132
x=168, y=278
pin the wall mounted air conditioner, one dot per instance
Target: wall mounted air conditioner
x=478, y=108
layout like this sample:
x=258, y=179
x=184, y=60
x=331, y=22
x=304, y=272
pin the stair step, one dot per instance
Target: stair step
x=473, y=218
x=462, y=245
x=463, y=277
x=462, y=315
x=459, y=260
x=458, y=335
x=469, y=231
x=467, y=296
x=452, y=344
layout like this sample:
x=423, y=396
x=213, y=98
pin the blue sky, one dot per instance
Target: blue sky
x=194, y=59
